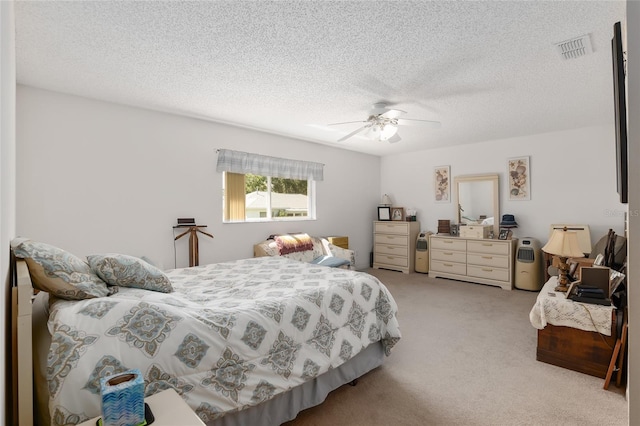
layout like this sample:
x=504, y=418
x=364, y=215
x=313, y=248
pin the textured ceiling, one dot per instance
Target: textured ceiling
x=486, y=70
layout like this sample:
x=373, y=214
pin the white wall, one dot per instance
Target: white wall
x=573, y=180
x=98, y=177
x=7, y=173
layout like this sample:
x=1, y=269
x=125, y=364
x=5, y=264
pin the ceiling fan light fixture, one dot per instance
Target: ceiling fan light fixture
x=387, y=131
x=382, y=124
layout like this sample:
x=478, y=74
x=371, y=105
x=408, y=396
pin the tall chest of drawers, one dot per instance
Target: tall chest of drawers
x=482, y=261
x=394, y=245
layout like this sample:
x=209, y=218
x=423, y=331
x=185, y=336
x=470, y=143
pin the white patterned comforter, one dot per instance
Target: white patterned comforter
x=231, y=335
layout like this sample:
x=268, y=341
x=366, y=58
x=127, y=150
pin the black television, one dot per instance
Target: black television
x=620, y=111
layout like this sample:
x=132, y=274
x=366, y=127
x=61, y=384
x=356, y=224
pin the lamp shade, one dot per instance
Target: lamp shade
x=563, y=243
x=386, y=200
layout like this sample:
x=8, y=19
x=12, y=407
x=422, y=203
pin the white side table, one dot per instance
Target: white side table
x=168, y=408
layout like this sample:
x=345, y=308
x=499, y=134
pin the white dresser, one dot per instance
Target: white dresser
x=483, y=261
x=394, y=245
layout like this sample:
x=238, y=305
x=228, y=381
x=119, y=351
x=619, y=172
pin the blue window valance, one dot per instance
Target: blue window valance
x=263, y=165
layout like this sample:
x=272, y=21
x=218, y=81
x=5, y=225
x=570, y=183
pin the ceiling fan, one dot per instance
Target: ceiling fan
x=383, y=123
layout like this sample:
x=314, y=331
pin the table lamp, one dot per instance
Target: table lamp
x=563, y=244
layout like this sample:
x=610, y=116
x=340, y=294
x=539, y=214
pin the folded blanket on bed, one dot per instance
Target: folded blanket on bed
x=293, y=243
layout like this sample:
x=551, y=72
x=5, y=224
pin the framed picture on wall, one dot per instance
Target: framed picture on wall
x=384, y=213
x=397, y=213
x=442, y=184
x=519, y=175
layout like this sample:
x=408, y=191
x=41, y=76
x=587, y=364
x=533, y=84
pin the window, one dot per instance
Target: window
x=249, y=197
x=261, y=188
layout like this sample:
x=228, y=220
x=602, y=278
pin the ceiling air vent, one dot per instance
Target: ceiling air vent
x=574, y=48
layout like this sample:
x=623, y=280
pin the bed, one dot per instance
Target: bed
x=252, y=341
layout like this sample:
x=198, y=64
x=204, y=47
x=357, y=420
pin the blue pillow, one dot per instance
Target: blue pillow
x=331, y=261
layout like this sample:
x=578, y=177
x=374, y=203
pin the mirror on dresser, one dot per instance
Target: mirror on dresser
x=477, y=200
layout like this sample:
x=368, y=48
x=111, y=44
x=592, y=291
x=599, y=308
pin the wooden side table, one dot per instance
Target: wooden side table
x=168, y=408
x=567, y=346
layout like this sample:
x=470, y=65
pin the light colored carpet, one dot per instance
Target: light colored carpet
x=467, y=357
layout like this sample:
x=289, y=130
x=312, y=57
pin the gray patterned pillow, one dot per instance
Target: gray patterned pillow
x=129, y=271
x=58, y=272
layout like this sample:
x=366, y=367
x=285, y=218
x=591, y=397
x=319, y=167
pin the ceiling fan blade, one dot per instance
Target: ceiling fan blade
x=413, y=122
x=392, y=113
x=347, y=122
x=395, y=138
x=353, y=133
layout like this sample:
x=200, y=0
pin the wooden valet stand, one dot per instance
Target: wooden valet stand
x=193, y=241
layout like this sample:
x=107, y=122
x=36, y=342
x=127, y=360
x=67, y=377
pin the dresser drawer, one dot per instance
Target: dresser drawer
x=489, y=247
x=450, y=267
x=449, y=244
x=391, y=227
x=388, y=259
x=401, y=240
x=390, y=249
x=498, y=274
x=488, y=260
x=449, y=256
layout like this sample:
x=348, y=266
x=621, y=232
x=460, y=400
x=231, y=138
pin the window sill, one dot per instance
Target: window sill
x=292, y=219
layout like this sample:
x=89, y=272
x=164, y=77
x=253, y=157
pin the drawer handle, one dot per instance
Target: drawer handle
x=487, y=244
x=448, y=264
x=447, y=241
x=487, y=270
x=487, y=257
x=447, y=253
